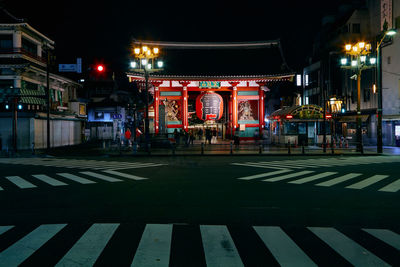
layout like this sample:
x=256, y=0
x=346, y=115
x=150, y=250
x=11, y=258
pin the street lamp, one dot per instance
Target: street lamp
x=146, y=57
x=379, y=142
x=358, y=54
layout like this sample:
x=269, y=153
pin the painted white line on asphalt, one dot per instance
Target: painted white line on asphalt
x=155, y=246
x=48, y=180
x=262, y=175
x=218, y=245
x=88, y=248
x=1, y=188
x=258, y=166
x=339, y=179
x=392, y=187
x=125, y=175
x=386, y=236
x=4, y=229
x=102, y=177
x=287, y=176
x=26, y=246
x=367, y=182
x=21, y=183
x=312, y=178
x=347, y=248
x=284, y=249
x=76, y=178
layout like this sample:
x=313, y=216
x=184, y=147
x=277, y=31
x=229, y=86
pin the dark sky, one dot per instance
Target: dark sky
x=102, y=30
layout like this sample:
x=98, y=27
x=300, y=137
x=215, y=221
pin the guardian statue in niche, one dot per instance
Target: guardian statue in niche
x=172, y=110
x=245, y=111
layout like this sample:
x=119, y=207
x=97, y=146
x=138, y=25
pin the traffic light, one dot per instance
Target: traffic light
x=100, y=68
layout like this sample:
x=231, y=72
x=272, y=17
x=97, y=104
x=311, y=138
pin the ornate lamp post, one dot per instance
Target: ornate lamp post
x=357, y=59
x=145, y=62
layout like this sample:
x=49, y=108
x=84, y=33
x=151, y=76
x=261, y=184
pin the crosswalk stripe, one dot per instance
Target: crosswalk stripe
x=102, y=177
x=125, y=175
x=262, y=175
x=218, y=245
x=48, y=180
x=287, y=176
x=1, y=188
x=386, y=236
x=88, y=248
x=347, y=248
x=339, y=179
x=258, y=165
x=284, y=249
x=392, y=187
x=76, y=178
x=21, y=183
x=154, y=247
x=312, y=178
x=26, y=246
x=4, y=229
x=367, y=182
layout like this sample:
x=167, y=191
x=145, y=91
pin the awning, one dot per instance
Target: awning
x=352, y=118
x=391, y=117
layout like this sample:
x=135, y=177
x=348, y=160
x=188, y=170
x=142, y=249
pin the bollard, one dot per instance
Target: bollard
x=202, y=148
x=148, y=149
x=302, y=150
x=134, y=148
x=260, y=149
x=173, y=149
x=289, y=152
x=333, y=149
x=231, y=148
x=104, y=144
x=33, y=148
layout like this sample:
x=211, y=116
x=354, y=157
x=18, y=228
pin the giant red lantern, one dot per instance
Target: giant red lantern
x=209, y=106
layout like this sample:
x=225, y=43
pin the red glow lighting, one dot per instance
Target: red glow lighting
x=289, y=116
x=100, y=68
x=328, y=116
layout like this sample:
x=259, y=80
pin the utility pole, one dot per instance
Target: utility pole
x=48, y=98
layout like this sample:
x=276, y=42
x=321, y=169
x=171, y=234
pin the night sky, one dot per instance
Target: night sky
x=101, y=31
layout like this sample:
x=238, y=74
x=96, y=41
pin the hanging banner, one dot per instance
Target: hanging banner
x=386, y=15
x=209, y=106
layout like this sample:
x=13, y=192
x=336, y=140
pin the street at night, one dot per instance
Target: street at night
x=252, y=211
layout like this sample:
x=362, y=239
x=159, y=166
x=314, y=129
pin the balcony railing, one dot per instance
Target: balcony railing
x=22, y=51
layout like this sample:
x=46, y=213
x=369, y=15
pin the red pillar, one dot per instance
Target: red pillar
x=185, y=99
x=156, y=85
x=261, y=106
x=234, y=105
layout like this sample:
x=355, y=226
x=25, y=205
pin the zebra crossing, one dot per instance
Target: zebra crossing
x=79, y=163
x=64, y=179
x=210, y=245
x=304, y=172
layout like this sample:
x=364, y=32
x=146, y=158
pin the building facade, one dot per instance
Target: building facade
x=24, y=58
x=230, y=104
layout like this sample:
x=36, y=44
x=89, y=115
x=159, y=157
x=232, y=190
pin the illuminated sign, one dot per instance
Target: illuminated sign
x=209, y=106
x=209, y=84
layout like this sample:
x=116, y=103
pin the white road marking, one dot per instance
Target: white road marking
x=125, y=175
x=367, y=182
x=312, y=178
x=21, y=183
x=287, y=176
x=76, y=178
x=48, y=180
x=154, y=247
x=339, y=179
x=284, y=249
x=26, y=246
x=89, y=247
x=218, y=245
x=262, y=175
x=4, y=229
x=386, y=236
x=258, y=165
x=392, y=187
x=102, y=177
x=347, y=248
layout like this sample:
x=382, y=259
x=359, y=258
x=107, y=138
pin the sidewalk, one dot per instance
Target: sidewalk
x=222, y=148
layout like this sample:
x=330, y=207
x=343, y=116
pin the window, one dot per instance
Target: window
x=389, y=60
x=6, y=84
x=356, y=28
x=6, y=41
x=29, y=85
x=29, y=47
x=290, y=128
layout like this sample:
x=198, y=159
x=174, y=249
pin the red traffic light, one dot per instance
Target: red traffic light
x=100, y=68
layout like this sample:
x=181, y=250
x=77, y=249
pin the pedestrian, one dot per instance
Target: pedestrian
x=200, y=133
x=236, y=138
x=208, y=135
x=191, y=138
x=176, y=136
x=128, y=135
x=214, y=136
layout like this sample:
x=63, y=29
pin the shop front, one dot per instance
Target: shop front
x=227, y=105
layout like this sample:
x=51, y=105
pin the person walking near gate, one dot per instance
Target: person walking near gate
x=128, y=135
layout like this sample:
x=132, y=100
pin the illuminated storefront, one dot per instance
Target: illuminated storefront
x=224, y=102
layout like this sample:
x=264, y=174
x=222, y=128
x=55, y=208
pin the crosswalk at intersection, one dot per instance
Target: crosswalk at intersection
x=129, y=244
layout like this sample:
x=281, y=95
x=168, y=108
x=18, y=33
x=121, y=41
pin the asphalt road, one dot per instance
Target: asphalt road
x=193, y=202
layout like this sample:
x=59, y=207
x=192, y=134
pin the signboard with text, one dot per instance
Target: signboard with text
x=209, y=84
